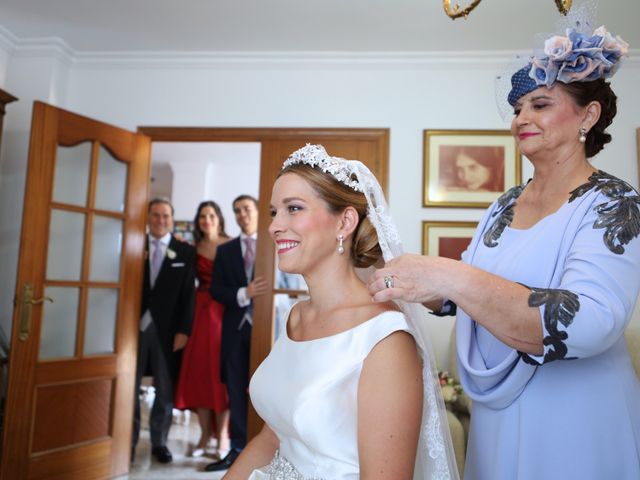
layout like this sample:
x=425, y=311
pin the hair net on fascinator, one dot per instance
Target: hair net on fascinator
x=579, y=53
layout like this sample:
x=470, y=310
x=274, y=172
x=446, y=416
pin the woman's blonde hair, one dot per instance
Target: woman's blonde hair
x=365, y=249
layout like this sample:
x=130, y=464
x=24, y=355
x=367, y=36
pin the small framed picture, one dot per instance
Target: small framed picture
x=183, y=230
x=468, y=168
x=447, y=239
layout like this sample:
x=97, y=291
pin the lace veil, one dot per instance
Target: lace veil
x=435, y=459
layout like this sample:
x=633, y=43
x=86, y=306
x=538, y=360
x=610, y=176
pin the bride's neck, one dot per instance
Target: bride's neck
x=337, y=288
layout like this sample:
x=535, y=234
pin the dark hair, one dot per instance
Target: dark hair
x=488, y=156
x=161, y=200
x=244, y=197
x=197, y=233
x=365, y=249
x=598, y=91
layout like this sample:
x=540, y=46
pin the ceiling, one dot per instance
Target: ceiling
x=293, y=25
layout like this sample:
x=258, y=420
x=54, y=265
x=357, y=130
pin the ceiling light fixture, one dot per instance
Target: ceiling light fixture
x=455, y=11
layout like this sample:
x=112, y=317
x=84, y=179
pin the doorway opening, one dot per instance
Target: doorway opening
x=369, y=145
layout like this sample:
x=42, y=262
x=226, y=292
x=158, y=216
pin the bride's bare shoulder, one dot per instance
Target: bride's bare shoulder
x=379, y=308
x=367, y=312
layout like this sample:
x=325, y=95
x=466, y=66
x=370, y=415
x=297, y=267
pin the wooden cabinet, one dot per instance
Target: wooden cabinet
x=5, y=98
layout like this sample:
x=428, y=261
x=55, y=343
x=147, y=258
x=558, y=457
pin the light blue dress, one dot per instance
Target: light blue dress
x=574, y=412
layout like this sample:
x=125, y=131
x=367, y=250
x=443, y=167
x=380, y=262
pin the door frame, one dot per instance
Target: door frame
x=270, y=138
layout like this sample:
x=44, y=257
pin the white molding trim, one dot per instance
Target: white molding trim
x=290, y=57
x=54, y=46
x=465, y=59
x=7, y=40
x=203, y=59
x=45, y=47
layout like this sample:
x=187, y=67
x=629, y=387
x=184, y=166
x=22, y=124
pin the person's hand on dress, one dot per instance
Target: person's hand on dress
x=180, y=341
x=258, y=286
x=413, y=278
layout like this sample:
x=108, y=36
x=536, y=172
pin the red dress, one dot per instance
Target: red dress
x=199, y=383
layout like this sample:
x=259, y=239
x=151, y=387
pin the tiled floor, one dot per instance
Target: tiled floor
x=182, y=437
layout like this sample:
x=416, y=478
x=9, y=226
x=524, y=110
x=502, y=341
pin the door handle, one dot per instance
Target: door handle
x=25, y=310
x=41, y=300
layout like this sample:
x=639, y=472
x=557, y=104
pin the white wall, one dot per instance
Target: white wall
x=4, y=63
x=406, y=93
x=7, y=44
x=34, y=76
x=218, y=171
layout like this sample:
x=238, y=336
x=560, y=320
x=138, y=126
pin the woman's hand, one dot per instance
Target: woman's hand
x=413, y=278
x=499, y=305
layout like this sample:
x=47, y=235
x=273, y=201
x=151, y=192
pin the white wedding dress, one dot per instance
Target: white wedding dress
x=307, y=392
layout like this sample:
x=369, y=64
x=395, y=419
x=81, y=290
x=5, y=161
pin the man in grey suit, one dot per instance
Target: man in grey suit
x=168, y=301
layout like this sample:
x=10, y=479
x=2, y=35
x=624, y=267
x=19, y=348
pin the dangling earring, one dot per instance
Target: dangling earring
x=340, y=247
x=583, y=135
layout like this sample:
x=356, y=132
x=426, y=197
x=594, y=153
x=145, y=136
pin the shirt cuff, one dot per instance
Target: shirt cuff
x=448, y=308
x=241, y=297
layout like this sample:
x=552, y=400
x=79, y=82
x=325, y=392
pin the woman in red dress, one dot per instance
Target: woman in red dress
x=199, y=387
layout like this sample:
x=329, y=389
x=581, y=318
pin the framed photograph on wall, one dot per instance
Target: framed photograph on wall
x=468, y=168
x=447, y=239
x=183, y=230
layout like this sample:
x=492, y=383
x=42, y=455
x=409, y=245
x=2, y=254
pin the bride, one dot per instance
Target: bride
x=347, y=391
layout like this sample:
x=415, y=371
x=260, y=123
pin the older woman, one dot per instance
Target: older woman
x=547, y=286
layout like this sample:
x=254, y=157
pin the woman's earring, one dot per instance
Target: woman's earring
x=340, y=246
x=583, y=135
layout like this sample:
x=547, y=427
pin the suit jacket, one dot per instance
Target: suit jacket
x=228, y=277
x=171, y=301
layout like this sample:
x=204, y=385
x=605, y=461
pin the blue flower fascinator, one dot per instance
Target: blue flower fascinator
x=573, y=57
x=576, y=52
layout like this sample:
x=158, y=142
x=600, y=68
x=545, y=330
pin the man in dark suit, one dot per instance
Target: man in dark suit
x=168, y=301
x=233, y=285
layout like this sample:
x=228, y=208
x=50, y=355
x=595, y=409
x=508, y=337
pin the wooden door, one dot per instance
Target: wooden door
x=77, y=305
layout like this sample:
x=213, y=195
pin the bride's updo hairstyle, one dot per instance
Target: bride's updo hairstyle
x=365, y=250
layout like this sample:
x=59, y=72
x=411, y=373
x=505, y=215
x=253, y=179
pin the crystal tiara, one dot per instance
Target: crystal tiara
x=339, y=168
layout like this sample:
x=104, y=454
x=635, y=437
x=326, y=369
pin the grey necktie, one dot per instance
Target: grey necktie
x=249, y=260
x=249, y=256
x=156, y=260
x=155, y=265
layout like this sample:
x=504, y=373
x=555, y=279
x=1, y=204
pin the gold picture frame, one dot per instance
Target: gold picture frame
x=468, y=168
x=447, y=239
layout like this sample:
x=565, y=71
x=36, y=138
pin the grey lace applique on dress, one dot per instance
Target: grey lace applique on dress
x=504, y=214
x=282, y=469
x=560, y=306
x=620, y=216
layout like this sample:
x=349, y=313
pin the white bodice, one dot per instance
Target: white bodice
x=307, y=392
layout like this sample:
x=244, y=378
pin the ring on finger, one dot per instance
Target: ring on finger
x=388, y=281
